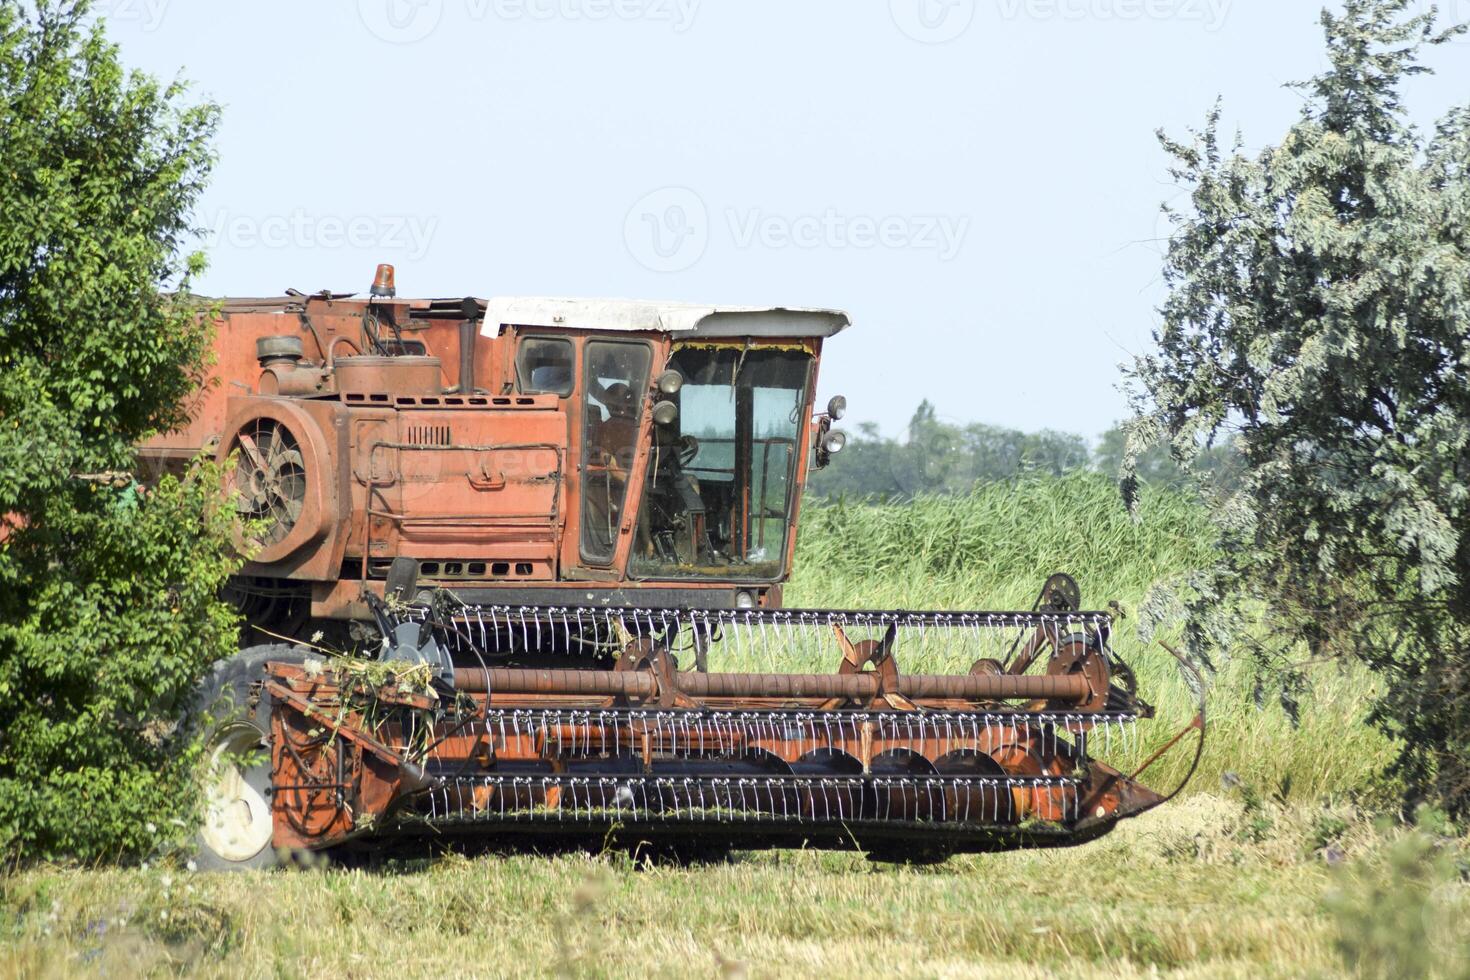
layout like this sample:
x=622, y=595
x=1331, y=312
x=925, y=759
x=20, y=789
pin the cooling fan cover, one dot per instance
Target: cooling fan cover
x=277, y=481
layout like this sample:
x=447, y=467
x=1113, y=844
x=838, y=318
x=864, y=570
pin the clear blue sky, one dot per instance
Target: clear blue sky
x=976, y=181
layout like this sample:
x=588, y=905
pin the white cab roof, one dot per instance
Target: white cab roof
x=657, y=317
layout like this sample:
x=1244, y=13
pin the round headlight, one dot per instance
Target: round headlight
x=835, y=442
x=745, y=600
x=837, y=408
x=670, y=383
x=666, y=413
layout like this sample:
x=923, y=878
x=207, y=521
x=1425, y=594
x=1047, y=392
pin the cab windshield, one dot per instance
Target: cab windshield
x=720, y=487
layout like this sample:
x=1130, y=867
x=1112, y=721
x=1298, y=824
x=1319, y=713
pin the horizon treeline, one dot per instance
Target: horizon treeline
x=936, y=457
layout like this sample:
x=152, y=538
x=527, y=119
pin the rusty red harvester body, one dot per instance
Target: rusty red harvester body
x=568, y=524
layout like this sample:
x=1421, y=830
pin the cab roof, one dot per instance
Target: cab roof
x=692, y=319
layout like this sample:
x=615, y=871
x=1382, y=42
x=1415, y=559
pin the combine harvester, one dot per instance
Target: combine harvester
x=563, y=527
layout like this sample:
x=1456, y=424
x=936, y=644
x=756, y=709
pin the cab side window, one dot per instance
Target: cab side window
x=616, y=389
x=544, y=366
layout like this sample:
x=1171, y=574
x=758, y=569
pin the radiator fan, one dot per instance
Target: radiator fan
x=270, y=479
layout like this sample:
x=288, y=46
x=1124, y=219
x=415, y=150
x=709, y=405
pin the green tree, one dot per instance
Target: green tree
x=1319, y=297
x=1157, y=466
x=939, y=457
x=108, y=592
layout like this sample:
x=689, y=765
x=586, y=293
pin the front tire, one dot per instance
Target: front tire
x=237, y=826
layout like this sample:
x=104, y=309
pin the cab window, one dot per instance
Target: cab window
x=544, y=366
x=721, y=481
x=617, y=388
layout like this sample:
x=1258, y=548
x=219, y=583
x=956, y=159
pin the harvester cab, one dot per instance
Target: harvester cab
x=565, y=526
x=518, y=452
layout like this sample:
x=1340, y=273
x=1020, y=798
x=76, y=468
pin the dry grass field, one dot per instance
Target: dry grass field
x=1204, y=889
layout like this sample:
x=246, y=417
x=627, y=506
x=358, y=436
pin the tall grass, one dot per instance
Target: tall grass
x=993, y=549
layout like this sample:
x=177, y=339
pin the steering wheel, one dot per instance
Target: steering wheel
x=688, y=450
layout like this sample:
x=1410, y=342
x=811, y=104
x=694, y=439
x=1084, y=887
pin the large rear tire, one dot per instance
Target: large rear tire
x=236, y=828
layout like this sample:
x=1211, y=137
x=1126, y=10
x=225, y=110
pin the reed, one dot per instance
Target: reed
x=993, y=548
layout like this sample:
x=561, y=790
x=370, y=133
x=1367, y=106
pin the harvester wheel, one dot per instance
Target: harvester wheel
x=236, y=830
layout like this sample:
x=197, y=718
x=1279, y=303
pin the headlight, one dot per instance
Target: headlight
x=745, y=600
x=835, y=442
x=837, y=408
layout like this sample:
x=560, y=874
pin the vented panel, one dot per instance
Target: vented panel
x=429, y=435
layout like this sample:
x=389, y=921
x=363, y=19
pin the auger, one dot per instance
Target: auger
x=556, y=533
